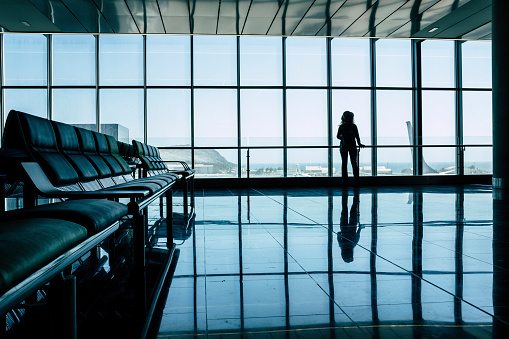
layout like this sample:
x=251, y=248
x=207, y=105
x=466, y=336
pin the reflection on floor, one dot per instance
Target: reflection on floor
x=428, y=261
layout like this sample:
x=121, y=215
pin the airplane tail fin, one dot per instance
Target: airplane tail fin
x=426, y=169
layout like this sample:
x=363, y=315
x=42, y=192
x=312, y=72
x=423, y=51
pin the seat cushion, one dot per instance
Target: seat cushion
x=29, y=244
x=94, y=214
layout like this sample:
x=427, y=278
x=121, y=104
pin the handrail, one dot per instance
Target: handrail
x=317, y=147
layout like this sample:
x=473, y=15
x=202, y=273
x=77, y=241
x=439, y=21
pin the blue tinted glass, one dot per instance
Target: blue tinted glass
x=393, y=63
x=476, y=64
x=168, y=117
x=261, y=61
x=215, y=60
x=75, y=106
x=215, y=117
x=438, y=63
x=121, y=60
x=32, y=101
x=261, y=117
x=307, y=117
x=350, y=62
x=73, y=60
x=306, y=62
x=168, y=60
x=25, y=59
x=123, y=108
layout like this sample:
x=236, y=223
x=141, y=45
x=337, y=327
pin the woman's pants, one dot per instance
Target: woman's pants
x=353, y=160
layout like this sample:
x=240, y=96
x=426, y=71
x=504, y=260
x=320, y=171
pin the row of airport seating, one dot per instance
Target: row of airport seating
x=96, y=186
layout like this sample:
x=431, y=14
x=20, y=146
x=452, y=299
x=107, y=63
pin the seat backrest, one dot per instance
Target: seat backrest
x=113, y=145
x=89, y=148
x=141, y=153
x=103, y=148
x=69, y=146
x=41, y=142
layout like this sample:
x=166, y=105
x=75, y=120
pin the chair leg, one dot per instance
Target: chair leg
x=140, y=288
x=186, y=211
x=169, y=218
x=64, y=321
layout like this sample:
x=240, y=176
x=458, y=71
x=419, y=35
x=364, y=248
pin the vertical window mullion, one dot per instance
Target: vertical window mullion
x=145, y=104
x=2, y=106
x=97, y=93
x=239, y=133
x=417, y=107
x=49, y=76
x=329, y=108
x=285, y=134
x=460, y=155
x=192, y=99
x=373, y=107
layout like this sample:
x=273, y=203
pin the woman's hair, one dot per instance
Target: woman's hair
x=347, y=117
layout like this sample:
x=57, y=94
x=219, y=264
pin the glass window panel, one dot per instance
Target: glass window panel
x=477, y=130
x=350, y=62
x=262, y=163
x=476, y=61
x=215, y=60
x=73, y=60
x=261, y=61
x=122, y=109
x=438, y=117
x=308, y=162
x=17, y=99
x=439, y=160
x=75, y=106
x=25, y=59
x=261, y=117
x=216, y=163
x=169, y=117
x=393, y=63
x=307, y=117
x=394, y=116
x=438, y=128
x=175, y=155
x=215, y=122
x=438, y=63
x=306, y=62
x=358, y=102
x=121, y=60
x=168, y=60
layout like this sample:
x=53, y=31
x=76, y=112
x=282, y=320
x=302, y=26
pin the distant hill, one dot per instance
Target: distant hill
x=201, y=156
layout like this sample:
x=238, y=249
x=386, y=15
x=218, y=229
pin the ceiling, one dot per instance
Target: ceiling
x=444, y=19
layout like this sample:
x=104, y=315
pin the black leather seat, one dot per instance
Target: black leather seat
x=93, y=214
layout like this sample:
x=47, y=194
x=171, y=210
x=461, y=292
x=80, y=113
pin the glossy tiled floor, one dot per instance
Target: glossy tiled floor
x=422, y=262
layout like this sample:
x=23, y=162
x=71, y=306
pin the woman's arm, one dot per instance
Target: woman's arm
x=339, y=133
x=357, y=136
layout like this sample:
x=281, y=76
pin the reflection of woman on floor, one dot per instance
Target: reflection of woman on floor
x=350, y=232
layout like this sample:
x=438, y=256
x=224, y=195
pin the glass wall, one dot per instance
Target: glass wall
x=263, y=106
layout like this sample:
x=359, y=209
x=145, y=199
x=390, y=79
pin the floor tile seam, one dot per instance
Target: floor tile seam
x=453, y=251
x=304, y=270
x=204, y=268
x=383, y=258
x=389, y=261
x=442, y=289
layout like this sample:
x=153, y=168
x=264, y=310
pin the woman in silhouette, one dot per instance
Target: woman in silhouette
x=348, y=134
